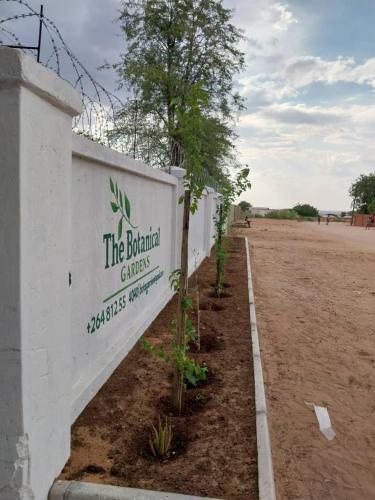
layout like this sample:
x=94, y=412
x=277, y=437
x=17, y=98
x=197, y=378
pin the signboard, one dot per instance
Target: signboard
x=123, y=252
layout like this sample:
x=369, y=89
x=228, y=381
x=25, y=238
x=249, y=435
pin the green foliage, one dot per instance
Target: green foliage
x=174, y=50
x=174, y=279
x=371, y=207
x=245, y=206
x=194, y=372
x=121, y=204
x=363, y=193
x=177, y=354
x=221, y=256
x=282, y=214
x=306, y=210
x=161, y=439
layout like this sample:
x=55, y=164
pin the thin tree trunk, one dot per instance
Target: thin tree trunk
x=135, y=128
x=218, y=251
x=198, y=337
x=178, y=379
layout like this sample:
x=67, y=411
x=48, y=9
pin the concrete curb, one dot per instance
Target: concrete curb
x=75, y=490
x=266, y=481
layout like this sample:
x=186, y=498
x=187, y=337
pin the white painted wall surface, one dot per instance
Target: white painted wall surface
x=55, y=208
x=35, y=250
x=152, y=196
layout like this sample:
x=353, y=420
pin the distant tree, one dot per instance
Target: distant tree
x=306, y=210
x=371, y=207
x=245, y=206
x=363, y=193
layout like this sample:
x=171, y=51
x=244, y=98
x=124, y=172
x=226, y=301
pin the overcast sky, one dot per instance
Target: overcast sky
x=309, y=86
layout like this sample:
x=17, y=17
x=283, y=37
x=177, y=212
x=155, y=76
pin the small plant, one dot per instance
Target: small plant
x=161, y=439
x=177, y=355
x=194, y=372
x=221, y=258
x=200, y=397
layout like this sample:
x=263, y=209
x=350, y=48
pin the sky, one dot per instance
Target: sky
x=309, y=86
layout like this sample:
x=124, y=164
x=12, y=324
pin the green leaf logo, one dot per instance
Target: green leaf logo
x=127, y=206
x=112, y=186
x=119, y=231
x=121, y=205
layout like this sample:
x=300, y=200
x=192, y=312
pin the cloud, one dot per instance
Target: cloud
x=296, y=74
x=304, y=70
x=280, y=17
x=287, y=135
x=303, y=115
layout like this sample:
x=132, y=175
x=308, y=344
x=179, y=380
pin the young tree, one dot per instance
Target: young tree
x=230, y=190
x=179, y=64
x=363, y=192
x=171, y=46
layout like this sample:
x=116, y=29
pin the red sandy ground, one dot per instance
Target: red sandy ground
x=214, y=438
x=315, y=295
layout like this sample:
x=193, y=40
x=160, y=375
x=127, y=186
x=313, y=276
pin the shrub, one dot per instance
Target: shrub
x=306, y=210
x=282, y=214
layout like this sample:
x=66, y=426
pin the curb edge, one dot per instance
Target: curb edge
x=266, y=481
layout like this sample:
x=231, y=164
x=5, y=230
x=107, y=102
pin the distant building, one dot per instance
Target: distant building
x=259, y=210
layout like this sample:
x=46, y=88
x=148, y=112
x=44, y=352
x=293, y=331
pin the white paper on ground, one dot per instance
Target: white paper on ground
x=324, y=422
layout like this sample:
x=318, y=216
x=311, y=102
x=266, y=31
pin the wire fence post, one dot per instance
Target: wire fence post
x=40, y=32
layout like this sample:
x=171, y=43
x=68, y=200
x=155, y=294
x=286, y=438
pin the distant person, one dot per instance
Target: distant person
x=327, y=220
x=318, y=219
x=248, y=221
x=370, y=222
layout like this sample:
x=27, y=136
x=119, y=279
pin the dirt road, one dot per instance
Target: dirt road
x=315, y=295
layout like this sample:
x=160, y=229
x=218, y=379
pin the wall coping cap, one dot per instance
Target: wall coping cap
x=178, y=172
x=85, y=148
x=19, y=69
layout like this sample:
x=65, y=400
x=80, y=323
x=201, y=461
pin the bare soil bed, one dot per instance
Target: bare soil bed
x=214, y=446
x=315, y=296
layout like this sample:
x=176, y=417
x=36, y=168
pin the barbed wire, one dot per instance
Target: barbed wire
x=100, y=106
x=105, y=118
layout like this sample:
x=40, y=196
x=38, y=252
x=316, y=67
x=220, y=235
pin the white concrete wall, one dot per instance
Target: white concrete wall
x=67, y=315
x=152, y=195
x=35, y=253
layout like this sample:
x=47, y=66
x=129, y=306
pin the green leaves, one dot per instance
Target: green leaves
x=121, y=204
x=127, y=206
x=186, y=303
x=179, y=63
x=194, y=372
x=161, y=439
x=174, y=279
x=119, y=229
